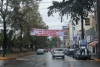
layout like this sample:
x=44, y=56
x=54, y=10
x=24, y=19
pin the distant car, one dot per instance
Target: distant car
x=58, y=52
x=83, y=53
x=1, y=50
x=40, y=51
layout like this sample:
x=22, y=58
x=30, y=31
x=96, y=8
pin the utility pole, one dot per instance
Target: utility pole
x=82, y=24
x=98, y=25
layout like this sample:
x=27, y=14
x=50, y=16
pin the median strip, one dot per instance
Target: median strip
x=13, y=56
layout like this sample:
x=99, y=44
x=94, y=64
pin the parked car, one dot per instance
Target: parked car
x=65, y=51
x=1, y=50
x=70, y=52
x=40, y=51
x=82, y=53
x=46, y=50
x=74, y=52
x=58, y=52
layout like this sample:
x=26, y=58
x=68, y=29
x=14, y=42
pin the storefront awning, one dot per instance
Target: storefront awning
x=93, y=43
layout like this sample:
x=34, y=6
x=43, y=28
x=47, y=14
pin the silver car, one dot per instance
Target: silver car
x=40, y=51
x=58, y=52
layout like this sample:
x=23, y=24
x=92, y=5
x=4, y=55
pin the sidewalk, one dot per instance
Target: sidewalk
x=14, y=56
x=95, y=57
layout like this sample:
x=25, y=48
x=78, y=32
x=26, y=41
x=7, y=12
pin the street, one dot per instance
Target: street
x=47, y=61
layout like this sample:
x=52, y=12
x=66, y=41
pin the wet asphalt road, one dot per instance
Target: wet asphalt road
x=47, y=61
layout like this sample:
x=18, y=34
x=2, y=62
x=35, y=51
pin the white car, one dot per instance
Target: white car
x=58, y=52
x=40, y=51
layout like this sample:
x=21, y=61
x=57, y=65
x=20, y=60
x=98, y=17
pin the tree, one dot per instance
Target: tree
x=55, y=41
x=1, y=39
x=10, y=40
x=4, y=15
x=48, y=42
x=78, y=9
x=22, y=15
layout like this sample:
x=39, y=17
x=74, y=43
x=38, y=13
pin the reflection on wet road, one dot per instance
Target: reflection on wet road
x=47, y=61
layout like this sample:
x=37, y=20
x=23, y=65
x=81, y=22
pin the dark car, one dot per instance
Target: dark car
x=74, y=52
x=70, y=52
x=82, y=53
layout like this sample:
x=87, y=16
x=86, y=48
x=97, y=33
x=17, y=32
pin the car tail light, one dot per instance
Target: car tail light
x=54, y=52
x=62, y=52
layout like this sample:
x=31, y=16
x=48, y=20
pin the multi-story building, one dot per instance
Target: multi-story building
x=70, y=34
x=90, y=32
x=75, y=31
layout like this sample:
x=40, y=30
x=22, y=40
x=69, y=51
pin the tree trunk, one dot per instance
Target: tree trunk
x=21, y=41
x=82, y=24
x=5, y=38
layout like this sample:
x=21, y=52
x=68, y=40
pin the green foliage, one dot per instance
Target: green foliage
x=48, y=42
x=55, y=39
x=72, y=7
x=22, y=15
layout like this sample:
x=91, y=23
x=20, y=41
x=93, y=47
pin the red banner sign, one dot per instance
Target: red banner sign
x=46, y=32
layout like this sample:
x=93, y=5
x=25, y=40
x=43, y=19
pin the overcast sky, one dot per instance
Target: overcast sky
x=52, y=22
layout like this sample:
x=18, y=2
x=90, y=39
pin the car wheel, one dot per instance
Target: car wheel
x=53, y=57
x=63, y=57
x=89, y=58
x=77, y=58
x=73, y=57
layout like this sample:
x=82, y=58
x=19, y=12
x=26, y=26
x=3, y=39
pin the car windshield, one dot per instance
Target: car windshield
x=40, y=49
x=58, y=49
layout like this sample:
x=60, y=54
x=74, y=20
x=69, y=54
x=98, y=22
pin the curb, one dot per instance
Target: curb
x=6, y=58
x=14, y=58
x=95, y=59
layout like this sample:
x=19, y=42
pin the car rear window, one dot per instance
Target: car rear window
x=58, y=49
x=40, y=49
